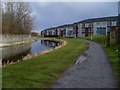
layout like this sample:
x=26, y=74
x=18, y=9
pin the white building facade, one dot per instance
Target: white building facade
x=69, y=32
x=97, y=26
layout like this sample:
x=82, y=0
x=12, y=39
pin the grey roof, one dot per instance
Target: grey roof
x=112, y=18
x=50, y=28
x=62, y=26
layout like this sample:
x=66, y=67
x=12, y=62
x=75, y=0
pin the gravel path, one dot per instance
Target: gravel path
x=91, y=70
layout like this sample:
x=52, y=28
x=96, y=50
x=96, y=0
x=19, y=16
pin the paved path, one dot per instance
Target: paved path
x=92, y=70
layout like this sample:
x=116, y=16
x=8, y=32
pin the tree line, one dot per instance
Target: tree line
x=16, y=18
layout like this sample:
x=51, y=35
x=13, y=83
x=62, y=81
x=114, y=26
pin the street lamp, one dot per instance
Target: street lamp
x=118, y=30
x=108, y=37
x=91, y=32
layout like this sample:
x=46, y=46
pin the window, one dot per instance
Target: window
x=83, y=30
x=70, y=33
x=114, y=23
x=98, y=28
x=97, y=23
x=101, y=30
x=104, y=23
x=83, y=25
x=109, y=23
x=91, y=24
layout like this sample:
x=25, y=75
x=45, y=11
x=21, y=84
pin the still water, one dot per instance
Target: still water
x=16, y=53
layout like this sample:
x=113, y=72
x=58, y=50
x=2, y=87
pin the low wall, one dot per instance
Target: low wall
x=7, y=39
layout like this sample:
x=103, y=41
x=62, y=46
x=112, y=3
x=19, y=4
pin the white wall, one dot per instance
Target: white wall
x=7, y=38
x=94, y=29
x=12, y=51
x=80, y=30
x=58, y=31
x=68, y=31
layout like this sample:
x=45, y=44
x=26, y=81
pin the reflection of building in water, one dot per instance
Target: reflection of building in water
x=14, y=54
x=50, y=43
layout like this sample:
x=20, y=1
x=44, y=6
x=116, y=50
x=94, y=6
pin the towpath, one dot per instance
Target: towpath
x=91, y=70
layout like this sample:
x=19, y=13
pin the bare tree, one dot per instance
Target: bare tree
x=16, y=18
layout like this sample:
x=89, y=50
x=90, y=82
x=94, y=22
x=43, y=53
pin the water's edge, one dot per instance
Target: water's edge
x=63, y=43
x=29, y=56
x=17, y=43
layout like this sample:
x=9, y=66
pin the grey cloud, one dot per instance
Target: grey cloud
x=55, y=14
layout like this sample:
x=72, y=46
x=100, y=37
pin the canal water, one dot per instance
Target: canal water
x=17, y=53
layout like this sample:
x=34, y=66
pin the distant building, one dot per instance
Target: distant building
x=84, y=28
x=96, y=26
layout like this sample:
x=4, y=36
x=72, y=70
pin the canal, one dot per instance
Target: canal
x=17, y=53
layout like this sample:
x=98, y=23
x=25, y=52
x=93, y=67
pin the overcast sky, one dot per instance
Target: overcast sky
x=50, y=14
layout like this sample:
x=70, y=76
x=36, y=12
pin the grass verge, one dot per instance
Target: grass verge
x=111, y=53
x=42, y=71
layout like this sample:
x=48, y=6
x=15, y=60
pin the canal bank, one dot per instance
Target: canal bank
x=15, y=54
x=7, y=40
x=43, y=70
x=61, y=44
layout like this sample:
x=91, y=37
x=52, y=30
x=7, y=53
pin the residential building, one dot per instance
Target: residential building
x=96, y=26
x=84, y=28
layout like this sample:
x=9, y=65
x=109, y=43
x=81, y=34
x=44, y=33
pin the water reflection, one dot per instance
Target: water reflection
x=50, y=43
x=16, y=53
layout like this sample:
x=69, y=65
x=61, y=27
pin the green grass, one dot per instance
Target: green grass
x=115, y=62
x=98, y=38
x=42, y=71
x=111, y=53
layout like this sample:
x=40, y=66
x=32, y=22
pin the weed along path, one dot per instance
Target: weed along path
x=91, y=70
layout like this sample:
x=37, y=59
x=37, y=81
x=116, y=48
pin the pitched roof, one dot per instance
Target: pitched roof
x=112, y=18
x=62, y=26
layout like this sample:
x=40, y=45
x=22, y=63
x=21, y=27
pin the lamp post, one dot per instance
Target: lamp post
x=118, y=25
x=118, y=30
x=118, y=40
x=91, y=32
x=108, y=37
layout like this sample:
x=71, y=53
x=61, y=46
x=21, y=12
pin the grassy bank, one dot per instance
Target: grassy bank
x=111, y=53
x=98, y=38
x=42, y=71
